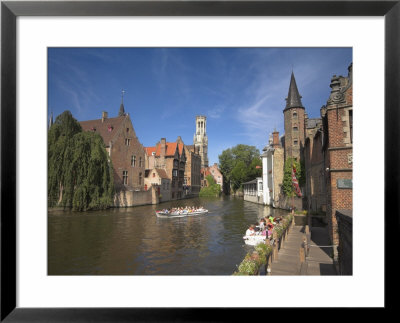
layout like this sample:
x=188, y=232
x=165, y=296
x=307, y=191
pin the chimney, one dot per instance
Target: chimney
x=275, y=139
x=104, y=116
x=163, y=144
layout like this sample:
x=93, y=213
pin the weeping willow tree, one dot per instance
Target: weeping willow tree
x=80, y=171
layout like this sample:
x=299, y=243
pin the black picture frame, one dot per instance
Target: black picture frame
x=10, y=10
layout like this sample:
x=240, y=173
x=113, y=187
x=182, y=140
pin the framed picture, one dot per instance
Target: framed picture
x=184, y=11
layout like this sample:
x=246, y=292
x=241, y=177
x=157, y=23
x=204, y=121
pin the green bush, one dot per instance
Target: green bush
x=252, y=261
x=212, y=189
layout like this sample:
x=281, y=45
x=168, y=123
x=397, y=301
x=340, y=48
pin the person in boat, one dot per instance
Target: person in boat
x=250, y=231
x=261, y=224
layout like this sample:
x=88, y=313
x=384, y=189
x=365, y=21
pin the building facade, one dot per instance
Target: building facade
x=158, y=179
x=200, y=140
x=272, y=174
x=192, y=180
x=253, y=190
x=214, y=171
x=171, y=157
x=126, y=152
x=337, y=117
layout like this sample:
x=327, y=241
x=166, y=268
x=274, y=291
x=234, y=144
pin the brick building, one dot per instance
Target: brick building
x=337, y=147
x=158, y=179
x=214, y=171
x=171, y=157
x=192, y=181
x=315, y=190
x=126, y=152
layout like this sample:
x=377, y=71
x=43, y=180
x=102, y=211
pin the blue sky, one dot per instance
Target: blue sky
x=242, y=91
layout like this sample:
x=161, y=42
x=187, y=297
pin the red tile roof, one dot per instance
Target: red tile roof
x=150, y=150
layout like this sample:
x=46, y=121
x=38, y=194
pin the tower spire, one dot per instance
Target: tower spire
x=121, y=107
x=294, y=98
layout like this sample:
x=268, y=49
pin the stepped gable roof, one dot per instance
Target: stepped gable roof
x=294, y=98
x=106, y=129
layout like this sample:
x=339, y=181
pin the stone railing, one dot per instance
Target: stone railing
x=258, y=261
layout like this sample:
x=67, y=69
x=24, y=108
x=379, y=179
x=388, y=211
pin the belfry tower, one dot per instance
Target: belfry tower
x=200, y=140
x=294, y=116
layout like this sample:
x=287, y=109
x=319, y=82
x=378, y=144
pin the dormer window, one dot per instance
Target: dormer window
x=153, y=153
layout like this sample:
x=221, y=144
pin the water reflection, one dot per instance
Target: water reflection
x=133, y=241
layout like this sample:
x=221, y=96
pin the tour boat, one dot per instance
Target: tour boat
x=180, y=214
x=254, y=240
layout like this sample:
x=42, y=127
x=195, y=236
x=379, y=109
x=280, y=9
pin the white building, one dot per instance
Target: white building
x=272, y=176
x=253, y=191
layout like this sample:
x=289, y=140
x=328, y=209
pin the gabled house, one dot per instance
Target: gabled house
x=158, y=178
x=171, y=157
x=127, y=155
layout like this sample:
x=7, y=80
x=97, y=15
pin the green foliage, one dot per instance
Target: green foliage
x=213, y=189
x=247, y=267
x=287, y=185
x=252, y=261
x=279, y=230
x=238, y=165
x=80, y=172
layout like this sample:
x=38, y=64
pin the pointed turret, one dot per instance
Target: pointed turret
x=294, y=98
x=121, y=107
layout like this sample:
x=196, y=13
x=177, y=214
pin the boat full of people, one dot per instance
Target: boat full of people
x=181, y=212
x=256, y=234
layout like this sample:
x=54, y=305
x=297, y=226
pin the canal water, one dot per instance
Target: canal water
x=133, y=241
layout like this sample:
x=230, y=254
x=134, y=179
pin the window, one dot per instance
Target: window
x=127, y=129
x=294, y=114
x=140, y=162
x=295, y=128
x=145, y=187
x=127, y=142
x=295, y=142
x=154, y=174
x=125, y=177
x=140, y=179
x=351, y=125
x=133, y=161
x=175, y=172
